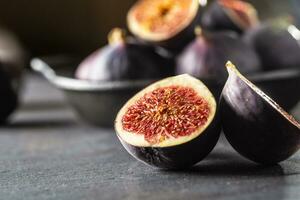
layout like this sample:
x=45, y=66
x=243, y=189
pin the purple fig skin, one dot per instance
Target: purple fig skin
x=9, y=97
x=254, y=127
x=13, y=60
x=125, y=61
x=13, y=57
x=205, y=57
x=275, y=46
x=215, y=18
x=178, y=157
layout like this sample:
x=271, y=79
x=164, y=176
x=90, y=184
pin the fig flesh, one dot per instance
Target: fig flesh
x=234, y=15
x=124, y=60
x=205, y=57
x=166, y=23
x=171, y=124
x=254, y=124
x=278, y=46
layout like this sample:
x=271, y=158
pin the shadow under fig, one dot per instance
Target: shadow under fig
x=227, y=163
x=222, y=175
x=235, y=168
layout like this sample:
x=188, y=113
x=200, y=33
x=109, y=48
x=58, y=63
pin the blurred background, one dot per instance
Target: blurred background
x=81, y=26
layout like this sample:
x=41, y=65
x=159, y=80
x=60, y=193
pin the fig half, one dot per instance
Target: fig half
x=167, y=23
x=171, y=124
x=232, y=15
x=254, y=124
x=206, y=56
x=124, y=59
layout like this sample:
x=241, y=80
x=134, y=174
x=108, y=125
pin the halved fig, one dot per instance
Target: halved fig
x=124, y=59
x=254, y=124
x=206, y=56
x=233, y=15
x=171, y=124
x=168, y=23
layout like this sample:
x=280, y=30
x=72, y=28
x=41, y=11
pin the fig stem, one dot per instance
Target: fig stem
x=229, y=65
x=294, y=31
x=116, y=35
x=198, y=31
x=232, y=68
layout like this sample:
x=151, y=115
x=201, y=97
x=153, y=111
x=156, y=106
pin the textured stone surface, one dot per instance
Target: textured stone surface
x=47, y=153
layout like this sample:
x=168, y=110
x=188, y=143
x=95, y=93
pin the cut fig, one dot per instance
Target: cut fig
x=171, y=124
x=232, y=15
x=277, y=44
x=124, y=59
x=205, y=57
x=168, y=23
x=254, y=124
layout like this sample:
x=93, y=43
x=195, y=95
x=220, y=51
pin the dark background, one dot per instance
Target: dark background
x=81, y=26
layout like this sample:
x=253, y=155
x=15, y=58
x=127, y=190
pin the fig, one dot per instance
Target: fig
x=166, y=23
x=9, y=98
x=12, y=57
x=277, y=45
x=171, y=124
x=12, y=63
x=254, y=124
x=124, y=59
x=206, y=56
x=234, y=15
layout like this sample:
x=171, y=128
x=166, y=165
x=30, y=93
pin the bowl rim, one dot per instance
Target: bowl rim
x=66, y=83
x=85, y=85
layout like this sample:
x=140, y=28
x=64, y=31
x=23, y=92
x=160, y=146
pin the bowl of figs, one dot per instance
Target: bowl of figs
x=192, y=40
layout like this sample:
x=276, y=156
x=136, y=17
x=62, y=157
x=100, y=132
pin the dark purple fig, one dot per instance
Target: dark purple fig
x=12, y=57
x=171, y=124
x=232, y=15
x=277, y=45
x=254, y=124
x=166, y=23
x=9, y=97
x=124, y=59
x=206, y=56
x=12, y=63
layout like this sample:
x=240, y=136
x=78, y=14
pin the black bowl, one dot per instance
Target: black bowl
x=99, y=102
x=96, y=102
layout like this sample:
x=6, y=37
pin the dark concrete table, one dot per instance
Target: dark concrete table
x=47, y=153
